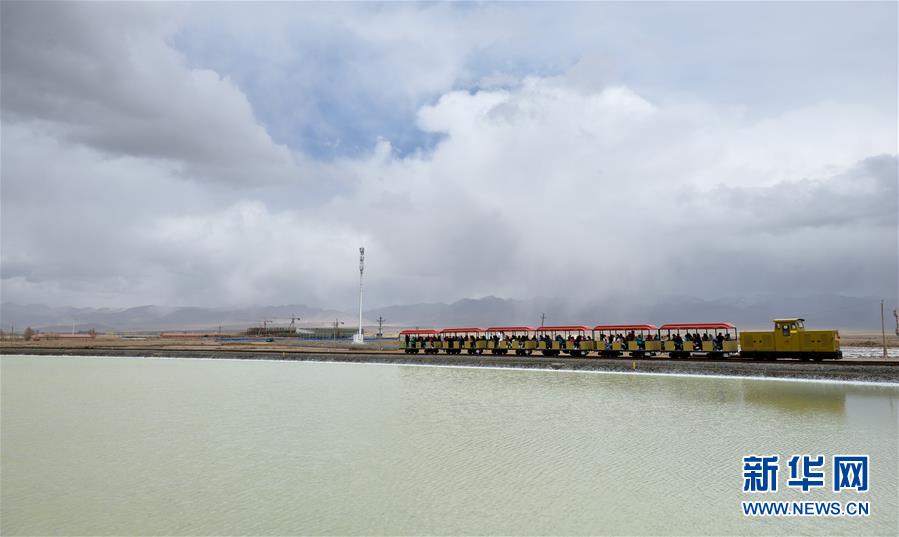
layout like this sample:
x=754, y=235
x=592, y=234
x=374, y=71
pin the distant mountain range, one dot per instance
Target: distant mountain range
x=833, y=311
x=822, y=311
x=156, y=318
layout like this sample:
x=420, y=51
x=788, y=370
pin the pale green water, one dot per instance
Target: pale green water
x=138, y=446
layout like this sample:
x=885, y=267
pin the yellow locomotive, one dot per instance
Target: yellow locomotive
x=790, y=339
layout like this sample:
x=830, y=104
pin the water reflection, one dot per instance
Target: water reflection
x=798, y=397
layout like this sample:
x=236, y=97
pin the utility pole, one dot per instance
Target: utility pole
x=542, y=319
x=896, y=315
x=380, y=326
x=359, y=338
x=883, y=331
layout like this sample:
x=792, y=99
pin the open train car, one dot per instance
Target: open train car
x=503, y=339
x=713, y=340
x=412, y=341
x=470, y=340
x=790, y=339
x=570, y=339
x=612, y=340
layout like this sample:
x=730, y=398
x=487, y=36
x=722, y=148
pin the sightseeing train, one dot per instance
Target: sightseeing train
x=789, y=339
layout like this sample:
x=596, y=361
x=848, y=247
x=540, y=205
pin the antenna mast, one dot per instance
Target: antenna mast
x=359, y=338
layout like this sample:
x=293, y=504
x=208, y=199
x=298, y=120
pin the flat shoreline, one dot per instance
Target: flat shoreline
x=845, y=371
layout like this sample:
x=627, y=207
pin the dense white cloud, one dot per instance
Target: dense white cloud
x=132, y=175
x=124, y=91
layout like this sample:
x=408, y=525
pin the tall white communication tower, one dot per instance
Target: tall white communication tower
x=359, y=338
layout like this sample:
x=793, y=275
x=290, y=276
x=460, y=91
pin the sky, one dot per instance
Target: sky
x=232, y=154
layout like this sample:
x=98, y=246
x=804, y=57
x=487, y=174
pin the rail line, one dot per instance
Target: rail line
x=431, y=357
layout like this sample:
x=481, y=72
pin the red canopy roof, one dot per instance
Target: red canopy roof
x=510, y=329
x=561, y=328
x=625, y=327
x=418, y=332
x=676, y=326
x=460, y=330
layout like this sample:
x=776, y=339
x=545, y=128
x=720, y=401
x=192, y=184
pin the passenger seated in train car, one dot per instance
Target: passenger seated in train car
x=705, y=336
x=719, y=341
x=577, y=342
x=727, y=336
x=630, y=336
x=407, y=340
x=641, y=343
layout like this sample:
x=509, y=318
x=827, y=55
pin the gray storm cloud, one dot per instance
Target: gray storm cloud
x=134, y=174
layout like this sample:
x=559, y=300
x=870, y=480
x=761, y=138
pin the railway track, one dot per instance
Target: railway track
x=131, y=351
